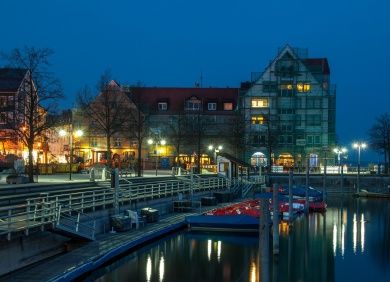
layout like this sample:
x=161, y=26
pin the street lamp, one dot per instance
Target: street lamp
x=359, y=146
x=71, y=135
x=339, y=151
x=156, y=142
x=216, y=149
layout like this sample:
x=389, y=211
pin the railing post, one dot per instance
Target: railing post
x=93, y=200
x=82, y=202
x=28, y=218
x=104, y=199
x=77, y=222
x=58, y=214
x=9, y=224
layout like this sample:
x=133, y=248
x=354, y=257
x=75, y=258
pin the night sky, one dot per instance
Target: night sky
x=170, y=43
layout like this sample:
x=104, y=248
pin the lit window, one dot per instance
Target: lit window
x=162, y=106
x=303, y=87
x=259, y=103
x=257, y=119
x=228, y=106
x=118, y=142
x=212, y=106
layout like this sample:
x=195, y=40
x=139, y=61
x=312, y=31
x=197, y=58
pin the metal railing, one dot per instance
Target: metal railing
x=48, y=209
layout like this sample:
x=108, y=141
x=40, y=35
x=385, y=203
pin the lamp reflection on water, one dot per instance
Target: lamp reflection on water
x=334, y=238
x=253, y=272
x=354, y=233
x=342, y=240
x=219, y=250
x=362, y=232
x=161, y=268
x=209, y=249
x=148, y=268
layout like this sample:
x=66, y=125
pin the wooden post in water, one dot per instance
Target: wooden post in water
x=275, y=224
x=307, y=185
x=115, y=184
x=290, y=197
x=324, y=181
x=264, y=221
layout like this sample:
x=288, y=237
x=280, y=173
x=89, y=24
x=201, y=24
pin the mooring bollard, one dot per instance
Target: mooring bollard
x=307, y=186
x=264, y=240
x=275, y=224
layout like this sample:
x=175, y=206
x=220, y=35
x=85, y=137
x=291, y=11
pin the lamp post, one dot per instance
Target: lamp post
x=339, y=151
x=156, y=142
x=359, y=146
x=71, y=135
x=216, y=150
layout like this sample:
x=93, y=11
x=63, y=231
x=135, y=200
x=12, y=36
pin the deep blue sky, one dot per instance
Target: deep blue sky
x=169, y=43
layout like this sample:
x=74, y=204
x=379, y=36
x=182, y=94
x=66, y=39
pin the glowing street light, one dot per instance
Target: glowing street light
x=339, y=152
x=162, y=142
x=359, y=146
x=78, y=133
x=216, y=149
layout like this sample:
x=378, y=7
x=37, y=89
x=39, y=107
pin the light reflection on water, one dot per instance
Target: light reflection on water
x=350, y=243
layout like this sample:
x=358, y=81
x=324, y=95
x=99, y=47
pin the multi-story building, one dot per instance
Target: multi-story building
x=190, y=120
x=12, y=82
x=289, y=111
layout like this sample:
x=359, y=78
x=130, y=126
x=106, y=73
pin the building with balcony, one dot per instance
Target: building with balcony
x=289, y=111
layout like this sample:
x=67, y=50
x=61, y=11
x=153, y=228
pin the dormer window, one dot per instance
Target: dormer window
x=162, y=106
x=212, y=106
x=193, y=104
x=228, y=106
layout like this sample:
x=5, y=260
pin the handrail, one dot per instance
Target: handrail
x=39, y=211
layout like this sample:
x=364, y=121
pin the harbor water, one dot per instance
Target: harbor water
x=350, y=242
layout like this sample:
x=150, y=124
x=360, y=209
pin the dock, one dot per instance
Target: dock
x=93, y=255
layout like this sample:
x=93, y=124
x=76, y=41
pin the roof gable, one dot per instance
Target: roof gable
x=11, y=79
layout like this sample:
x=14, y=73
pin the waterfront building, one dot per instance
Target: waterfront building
x=195, y=123
x=290, y=111
x=14, y=84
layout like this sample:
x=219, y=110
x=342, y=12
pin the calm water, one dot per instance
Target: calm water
x=351, y=242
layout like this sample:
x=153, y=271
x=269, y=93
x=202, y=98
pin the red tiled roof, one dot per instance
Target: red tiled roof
x=318, y=65
x=176, y=97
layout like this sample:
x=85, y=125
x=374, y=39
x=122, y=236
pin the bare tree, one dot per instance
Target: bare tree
x=138, y=123
x=177, y=133
x=236, y=138
x=197, y=125
x=38, y=97
x=106, y=112
x=379, y=135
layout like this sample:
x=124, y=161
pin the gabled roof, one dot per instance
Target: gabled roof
x=176, y=97
x=317, y=65
x=234, y=159
x=11, y=78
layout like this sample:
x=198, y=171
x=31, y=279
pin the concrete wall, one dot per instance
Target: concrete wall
x=25, y=250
